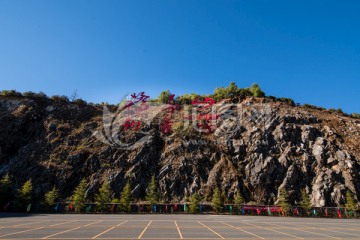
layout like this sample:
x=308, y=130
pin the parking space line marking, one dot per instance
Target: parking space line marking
x=63, y=223
x=325, y=229
x=351, y=229
x=340, y=228
x=23, y=224
x=272, y=230
x=142, y=233
x=109, y=230
x=21, y=232
x=242, y=230
x=122, y=223
x=330, y=223
x=211, y=230
x=93, y=223
x=178, y=230
x=14, y=221
x=69, y=230
x=128, y=238
x=301, y=230
x=103, y=232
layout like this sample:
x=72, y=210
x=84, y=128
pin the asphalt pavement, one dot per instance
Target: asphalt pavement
x=152, y=226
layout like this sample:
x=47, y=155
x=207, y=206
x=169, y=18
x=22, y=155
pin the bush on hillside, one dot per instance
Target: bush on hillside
x=80, y=102
x=256, y=90
x=10, y=93
x=339, y=110
x=309, y=106
x=288, y=101
x=356, y=115
x=58, y=98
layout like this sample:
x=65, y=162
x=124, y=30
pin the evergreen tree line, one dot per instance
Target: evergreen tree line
x=23, y=198
x=351, y=205
x=220, y=93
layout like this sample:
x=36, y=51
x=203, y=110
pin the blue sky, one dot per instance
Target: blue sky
x=305, y=50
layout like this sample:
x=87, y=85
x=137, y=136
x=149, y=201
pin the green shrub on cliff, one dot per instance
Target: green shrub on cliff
x=351, y=204
x=305, y=201
x=5, y=190
x=126, y=198
x=194, y=206
x=103, y=197
x=256, y=90
x=24, y=196
x=284, y=201
x=51, y=197
x=79, y=196
x=238, y=200
x=10, y=93
x=355, y=115
x=152, y=195
x=217, y=202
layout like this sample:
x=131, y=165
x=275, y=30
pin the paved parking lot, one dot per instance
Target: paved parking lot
x=174, y=227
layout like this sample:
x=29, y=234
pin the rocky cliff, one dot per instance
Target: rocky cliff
x=267, y=146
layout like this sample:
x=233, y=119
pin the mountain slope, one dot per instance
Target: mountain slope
x=273, y=146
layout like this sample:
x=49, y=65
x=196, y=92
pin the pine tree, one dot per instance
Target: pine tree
x=103, y=197
x=151, y=195
x=351, y=204
x=256, y=91
x=79, y=197
x=220, y=93
x=238, y=200
x=24, y=196
x=194, y=206
x=305, y=201
x=217, y=201
x=164, y=97
x=126, y=198
x=284, y=201
x=232, y=89
x=51, y=197
x=5, y=190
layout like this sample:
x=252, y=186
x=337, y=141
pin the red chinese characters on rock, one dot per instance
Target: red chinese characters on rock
x=136, y=124
x=166, y=123
x=135, y=98
x=203, y=118
x=134, y=107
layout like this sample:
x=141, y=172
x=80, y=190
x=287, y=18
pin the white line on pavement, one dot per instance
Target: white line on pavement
x=142, y=233
x=21, y=232
x=243, y=230
x=108, y=230
x=250, y=224
x=301, y=230
x=58, y=224
x=93, y=223
x=211, y=230
x=178, y=230
x=18, y=225
x=69, y=230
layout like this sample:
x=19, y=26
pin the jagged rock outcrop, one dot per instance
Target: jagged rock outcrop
x=266, y=147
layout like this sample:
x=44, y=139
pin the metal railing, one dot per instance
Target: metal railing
x=229, y=209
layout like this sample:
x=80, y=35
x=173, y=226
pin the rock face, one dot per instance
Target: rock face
x=267, y=146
